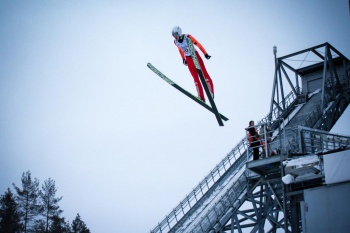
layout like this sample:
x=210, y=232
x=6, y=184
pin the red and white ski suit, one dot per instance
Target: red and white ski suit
x=185, y=54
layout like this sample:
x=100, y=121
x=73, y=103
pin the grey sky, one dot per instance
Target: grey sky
x=78, y=103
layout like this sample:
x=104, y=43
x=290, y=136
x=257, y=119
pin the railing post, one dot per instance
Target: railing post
x=266, y=141
x=188, y=201
x=174, y=211
x=300, y=139
x=246, y=146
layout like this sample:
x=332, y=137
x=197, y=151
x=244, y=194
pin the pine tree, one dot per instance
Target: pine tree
x=39, y=226
x=78, y=225
x=27, y=199
x=50, y=206
x=9, y=216
x=59, y=225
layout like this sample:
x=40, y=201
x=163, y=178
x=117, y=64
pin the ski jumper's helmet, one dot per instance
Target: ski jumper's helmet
x=176, y=31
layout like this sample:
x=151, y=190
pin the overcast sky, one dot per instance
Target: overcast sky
x=78, y=103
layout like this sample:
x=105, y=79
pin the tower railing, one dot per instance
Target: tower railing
x=278, y=110
x=319, y=141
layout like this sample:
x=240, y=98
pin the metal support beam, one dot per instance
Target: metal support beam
x=324, y=79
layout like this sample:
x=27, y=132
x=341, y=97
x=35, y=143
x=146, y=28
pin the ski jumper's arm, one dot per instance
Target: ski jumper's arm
x=181, y=52
x=199, y=45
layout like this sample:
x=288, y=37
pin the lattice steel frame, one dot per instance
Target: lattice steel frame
x=263, y=210
x=278, y=97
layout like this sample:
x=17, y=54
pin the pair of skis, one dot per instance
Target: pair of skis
x=213, y=109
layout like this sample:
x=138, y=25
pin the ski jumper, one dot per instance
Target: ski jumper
x=186, y=55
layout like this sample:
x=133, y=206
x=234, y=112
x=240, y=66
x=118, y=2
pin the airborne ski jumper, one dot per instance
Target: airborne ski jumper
x=202, y=80
x=181, y=41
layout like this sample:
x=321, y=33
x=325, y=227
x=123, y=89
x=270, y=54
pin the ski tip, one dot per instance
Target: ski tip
x=148, y=64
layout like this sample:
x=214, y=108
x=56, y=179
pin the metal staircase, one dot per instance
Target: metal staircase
x=243, y=195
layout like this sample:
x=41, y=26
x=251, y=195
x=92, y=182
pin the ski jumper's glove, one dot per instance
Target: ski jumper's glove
x=184, y=62
x=207, y=56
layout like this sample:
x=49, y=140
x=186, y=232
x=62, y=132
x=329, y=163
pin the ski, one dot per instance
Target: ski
x=188, y=94
x=204, y=83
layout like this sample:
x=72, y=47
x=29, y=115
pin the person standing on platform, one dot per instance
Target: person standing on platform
x=254, y=140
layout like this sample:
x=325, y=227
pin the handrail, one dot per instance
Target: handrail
x=315, y=141
x=227, y=201
x=199, y=191
x=268, y=136
x=276, y=112
x=314, y=116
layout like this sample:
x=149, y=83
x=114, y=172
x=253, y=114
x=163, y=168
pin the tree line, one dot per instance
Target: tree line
x=30, y=209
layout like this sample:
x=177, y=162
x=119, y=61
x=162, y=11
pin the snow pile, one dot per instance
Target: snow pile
x=287, y=179
x=301, y=162
x=300, y=168
x=313, y=93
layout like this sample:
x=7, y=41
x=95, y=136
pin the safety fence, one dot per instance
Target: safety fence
x=201, y=189
x=286, y=103
x=265, y=141
x=318, y=141
x=230, y=200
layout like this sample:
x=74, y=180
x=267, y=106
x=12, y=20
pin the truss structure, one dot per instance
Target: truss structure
x=323, y=56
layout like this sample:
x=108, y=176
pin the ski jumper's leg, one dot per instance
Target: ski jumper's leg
x=205, y=73
x=194, y=74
